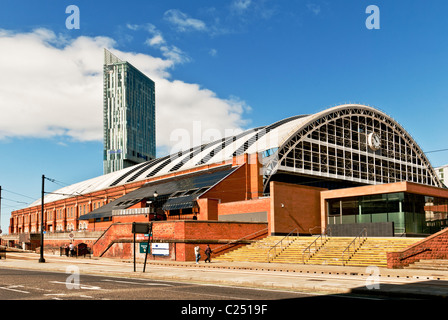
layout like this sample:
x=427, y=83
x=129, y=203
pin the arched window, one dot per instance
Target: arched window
x=353, y=143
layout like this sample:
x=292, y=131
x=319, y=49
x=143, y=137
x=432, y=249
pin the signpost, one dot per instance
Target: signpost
x=147, y=245
x=139, y=227
x=145, y=228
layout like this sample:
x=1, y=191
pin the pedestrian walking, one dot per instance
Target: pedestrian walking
x=208, y=252
x=72, y=249
x=197, y=253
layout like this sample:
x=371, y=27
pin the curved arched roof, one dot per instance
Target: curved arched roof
x=280, y=137
x=340, y=134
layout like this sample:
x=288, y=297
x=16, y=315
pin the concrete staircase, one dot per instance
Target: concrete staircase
x=294, y=252
x=373, y=251
x=331, y=252
x=255, y=252
x=430, y=264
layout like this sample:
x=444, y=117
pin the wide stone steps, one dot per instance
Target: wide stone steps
x=255, y=252
x=373, y=251
x=294, y=252
x=331, y=251
x=258, y=251
x=430, y=264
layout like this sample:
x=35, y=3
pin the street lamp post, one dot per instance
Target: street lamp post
x=41, y=259
x=155, y=204
x=0, y=211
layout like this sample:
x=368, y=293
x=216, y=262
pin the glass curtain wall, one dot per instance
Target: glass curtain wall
x=411, y=213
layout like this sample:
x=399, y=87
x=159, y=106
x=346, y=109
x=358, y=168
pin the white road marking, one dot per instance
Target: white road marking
x=140, y=283
x=86, y=287
x=11, y=288
x=55, y=296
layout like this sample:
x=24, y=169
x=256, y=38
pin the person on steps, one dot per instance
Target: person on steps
x=208, y=252
x=197, y=253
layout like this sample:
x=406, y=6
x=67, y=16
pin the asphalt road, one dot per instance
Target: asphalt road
x=197, y=297
x=103, y=296
x=16, y=284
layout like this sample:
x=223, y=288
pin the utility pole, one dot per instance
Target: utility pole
x=1, y=210
x=41, y=259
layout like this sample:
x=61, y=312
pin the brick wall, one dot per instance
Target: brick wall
x=256, y=205
x=432, y=247
x=208, y=209
x=182, y=235
x=232, y=188
x=294, y=206
x=28, y=219
x=114, y=232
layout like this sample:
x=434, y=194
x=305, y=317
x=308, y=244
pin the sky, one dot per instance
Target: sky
x=219, y=67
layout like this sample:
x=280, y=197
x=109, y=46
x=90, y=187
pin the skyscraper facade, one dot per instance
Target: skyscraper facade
x=129, y=115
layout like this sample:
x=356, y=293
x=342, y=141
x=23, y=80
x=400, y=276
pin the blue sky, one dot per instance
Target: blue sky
x=230, y=65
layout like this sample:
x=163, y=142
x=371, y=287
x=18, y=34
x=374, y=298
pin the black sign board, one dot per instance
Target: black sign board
x=146, y=228
x=140, y=227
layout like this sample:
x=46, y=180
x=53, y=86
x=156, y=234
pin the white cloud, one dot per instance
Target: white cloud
x=241, y=5
x=156, y=40
x=174, y=54
x=213, y=52
x=314, y=8
x=248, y=11
x=183, y=22
x=52, y=87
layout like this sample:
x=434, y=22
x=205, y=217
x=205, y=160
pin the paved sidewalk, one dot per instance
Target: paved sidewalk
x=412, y=283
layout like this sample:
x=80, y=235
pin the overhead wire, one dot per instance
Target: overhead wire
x=73, y=194
x=3, y=198
x=59, y=183
x=440, y=150
x=63, y=184
x=18, y=194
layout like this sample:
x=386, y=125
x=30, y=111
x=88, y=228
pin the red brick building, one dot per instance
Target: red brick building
x=268, y=180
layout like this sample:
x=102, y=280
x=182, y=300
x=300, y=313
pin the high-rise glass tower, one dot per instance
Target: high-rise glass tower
x=129, y=115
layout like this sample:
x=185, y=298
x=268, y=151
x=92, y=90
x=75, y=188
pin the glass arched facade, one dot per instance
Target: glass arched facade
x=356, y=144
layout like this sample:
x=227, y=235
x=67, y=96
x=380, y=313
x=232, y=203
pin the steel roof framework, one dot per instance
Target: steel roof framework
x=329, y=144
x=333, y=144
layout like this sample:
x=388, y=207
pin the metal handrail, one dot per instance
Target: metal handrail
x=311, y=229
x=274, y=247
x=323, y=239
x=361, y=237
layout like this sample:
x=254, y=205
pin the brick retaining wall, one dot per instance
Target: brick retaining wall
x=182, y=235
x=432, y=247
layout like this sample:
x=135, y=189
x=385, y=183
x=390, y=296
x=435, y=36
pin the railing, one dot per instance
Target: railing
x=310, y=230
x=184, y=216
x=104, y=232
x=133, y=211
x=232, y=242
x=412, y=252
x=356, y=244
x=282, y=246
x=322, y=238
